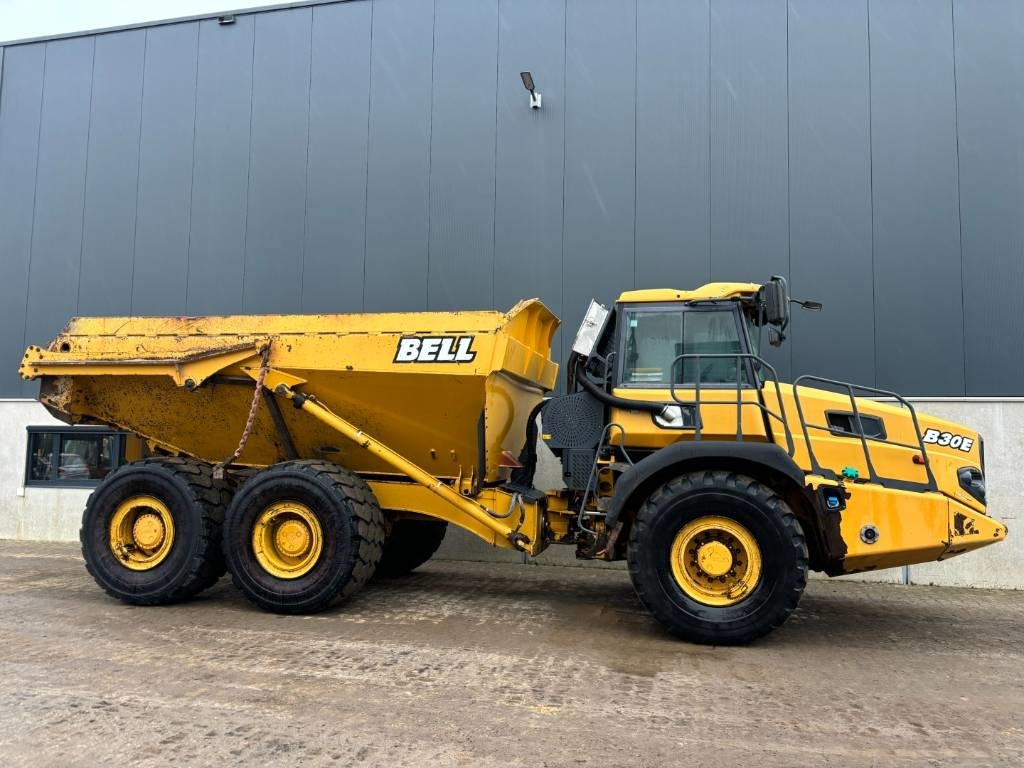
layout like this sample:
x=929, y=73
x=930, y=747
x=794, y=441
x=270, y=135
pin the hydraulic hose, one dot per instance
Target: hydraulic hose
x=610, y=399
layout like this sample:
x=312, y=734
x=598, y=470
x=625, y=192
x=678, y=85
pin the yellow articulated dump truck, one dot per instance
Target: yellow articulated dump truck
x=305, y=453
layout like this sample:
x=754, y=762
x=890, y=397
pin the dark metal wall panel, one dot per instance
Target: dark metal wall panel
x=21, y=95
x=990, y=116
x=918, y=292
x=460, y=271
x=165, y=170
x=529, y=158
x=600, y=168
x=220, y=171
x=399, y=156
x=673, y=204
x=830, y=188
x=335, y=247
x=276, y=219
x=382, y=155
x=108, y=237
x=60, y=187
x=749, y=142
x=750, y=146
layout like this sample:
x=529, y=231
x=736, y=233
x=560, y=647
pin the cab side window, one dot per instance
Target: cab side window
x=655, y=338
x=652, y=341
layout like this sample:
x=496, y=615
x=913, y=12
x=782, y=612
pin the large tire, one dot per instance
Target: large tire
x=151, y=530
x=301, y=535
x=718, y=558
x=409, y=545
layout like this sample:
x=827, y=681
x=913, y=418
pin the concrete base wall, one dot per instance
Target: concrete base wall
x=1001, y=424
x=55, y=514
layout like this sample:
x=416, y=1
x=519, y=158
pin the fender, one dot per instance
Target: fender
x=765, y=454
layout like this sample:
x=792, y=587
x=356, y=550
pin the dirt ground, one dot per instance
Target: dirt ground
x=471, y=664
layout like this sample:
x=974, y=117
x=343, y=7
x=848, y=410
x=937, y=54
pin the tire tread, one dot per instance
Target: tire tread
x=409, y=545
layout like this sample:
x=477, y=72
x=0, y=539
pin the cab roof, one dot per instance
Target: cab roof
x=704, y=293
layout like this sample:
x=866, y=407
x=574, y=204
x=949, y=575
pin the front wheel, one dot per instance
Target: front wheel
x=718, y=558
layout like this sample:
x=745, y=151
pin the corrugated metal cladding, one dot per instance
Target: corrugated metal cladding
x=381, y=155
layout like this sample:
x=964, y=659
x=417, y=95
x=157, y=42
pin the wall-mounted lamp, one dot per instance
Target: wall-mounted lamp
x=534, y=95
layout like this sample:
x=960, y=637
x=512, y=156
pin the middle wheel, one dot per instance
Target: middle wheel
x=300, y=535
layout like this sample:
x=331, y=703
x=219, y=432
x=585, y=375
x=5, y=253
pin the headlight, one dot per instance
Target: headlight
x=973, y=481
x=676, y=417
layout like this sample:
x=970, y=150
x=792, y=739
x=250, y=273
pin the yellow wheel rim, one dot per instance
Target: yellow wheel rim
x=715, y=561
x=141, y=532
x=287, y=539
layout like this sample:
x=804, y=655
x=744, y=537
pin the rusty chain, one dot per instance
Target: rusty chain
x=218, y=469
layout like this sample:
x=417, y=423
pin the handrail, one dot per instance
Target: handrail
x=782, y=418
x=873, y=476
x=767, y=413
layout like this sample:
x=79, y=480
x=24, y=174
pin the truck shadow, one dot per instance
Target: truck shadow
x=831, y=614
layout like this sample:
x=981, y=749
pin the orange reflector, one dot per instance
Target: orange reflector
x=918, y=458
x=508, y=460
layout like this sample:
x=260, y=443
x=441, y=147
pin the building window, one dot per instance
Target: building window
x=80, y=457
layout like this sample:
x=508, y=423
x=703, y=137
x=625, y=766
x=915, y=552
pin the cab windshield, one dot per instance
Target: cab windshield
x=654, y=338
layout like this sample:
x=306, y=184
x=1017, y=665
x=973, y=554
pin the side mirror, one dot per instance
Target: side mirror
x=775, y=300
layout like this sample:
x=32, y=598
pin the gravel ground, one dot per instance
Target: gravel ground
x=471, y=664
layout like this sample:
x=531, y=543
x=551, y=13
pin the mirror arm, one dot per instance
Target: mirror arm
x=813, y=306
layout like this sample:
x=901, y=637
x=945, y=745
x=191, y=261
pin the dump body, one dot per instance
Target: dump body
x=449, y=391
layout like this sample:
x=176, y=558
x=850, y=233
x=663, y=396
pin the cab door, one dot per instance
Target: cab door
x=695, y=357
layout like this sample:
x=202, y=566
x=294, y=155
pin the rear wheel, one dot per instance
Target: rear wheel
x=300, y=535
x=151, y=531
x=718, y=558
x=409, y=545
